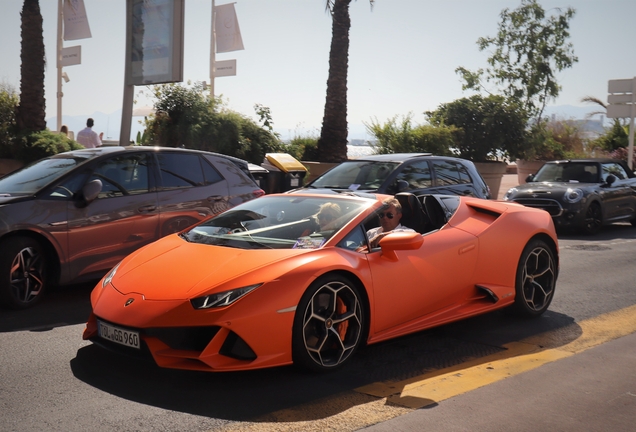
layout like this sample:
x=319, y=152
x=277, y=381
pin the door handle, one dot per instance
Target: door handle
x=147, y=209
x=215, y=198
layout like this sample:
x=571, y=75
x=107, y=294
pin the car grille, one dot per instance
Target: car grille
x=551, y=206
x=184, y=338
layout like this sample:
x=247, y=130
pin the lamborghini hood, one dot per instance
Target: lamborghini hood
x=173, y=269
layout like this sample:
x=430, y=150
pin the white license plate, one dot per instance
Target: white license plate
x=294, y=182
x=118, y=335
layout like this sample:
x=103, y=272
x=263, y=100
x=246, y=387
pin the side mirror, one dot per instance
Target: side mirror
x=91, y=190
x=530, y=178
x=401, y=240
x=610, y=179
x=402, y=185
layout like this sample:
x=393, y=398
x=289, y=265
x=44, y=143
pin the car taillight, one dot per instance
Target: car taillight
x=258, y=193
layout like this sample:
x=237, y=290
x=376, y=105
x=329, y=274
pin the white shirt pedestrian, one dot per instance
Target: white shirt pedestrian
x=89, y=138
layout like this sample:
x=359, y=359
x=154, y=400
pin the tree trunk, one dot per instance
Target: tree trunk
x=30, y=113
x=332, y=145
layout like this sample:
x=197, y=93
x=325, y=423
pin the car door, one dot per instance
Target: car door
x=122, y=218
x=190, y=190
x=423, y=282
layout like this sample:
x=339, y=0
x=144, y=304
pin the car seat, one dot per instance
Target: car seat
x=435, y=212
x=413, y=215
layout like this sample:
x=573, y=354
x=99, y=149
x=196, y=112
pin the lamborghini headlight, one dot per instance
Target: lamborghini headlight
x=573, y=195
x=109, y=277
x=222, y=299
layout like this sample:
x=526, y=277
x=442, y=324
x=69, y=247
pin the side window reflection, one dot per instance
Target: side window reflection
x=355, y=240
x=122, y=175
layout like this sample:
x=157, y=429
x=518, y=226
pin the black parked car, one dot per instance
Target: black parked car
x=403, y=172
x=583, y=194
x=73, y=216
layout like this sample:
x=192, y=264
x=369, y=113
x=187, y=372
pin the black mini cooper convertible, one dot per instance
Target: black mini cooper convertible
x=584, y=194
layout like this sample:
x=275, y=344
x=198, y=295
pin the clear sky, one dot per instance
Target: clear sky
x=402, y=56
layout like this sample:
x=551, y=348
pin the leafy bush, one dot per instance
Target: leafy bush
x=8, y=102
x=302, y=148
x=552, y=141
x=491, y=127
x=190, y=117
x=615, y=138
x=622, y=153
x=37, y=145
x=402, y=137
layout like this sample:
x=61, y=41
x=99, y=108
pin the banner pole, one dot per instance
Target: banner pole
x=60, y=21
x=212, y=51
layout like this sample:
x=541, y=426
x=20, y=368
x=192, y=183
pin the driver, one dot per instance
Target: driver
x=390, y=216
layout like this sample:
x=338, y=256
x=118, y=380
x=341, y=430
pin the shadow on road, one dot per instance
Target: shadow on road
x=251, y=396
x=61, y=306
x=622, y=230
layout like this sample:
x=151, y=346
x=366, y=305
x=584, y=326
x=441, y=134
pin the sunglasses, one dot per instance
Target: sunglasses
x=326, y=217
x=387, y=214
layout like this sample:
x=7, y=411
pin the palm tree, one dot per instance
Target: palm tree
x=30, y=114
x=332, y=144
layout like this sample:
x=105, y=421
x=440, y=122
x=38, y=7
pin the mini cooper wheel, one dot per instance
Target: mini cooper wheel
x=593, y=219
x=22, y=272
x=329, y=324
x=536, y=279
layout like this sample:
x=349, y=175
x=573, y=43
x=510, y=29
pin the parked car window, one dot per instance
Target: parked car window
x=356, y=175
x=417, y=175
x=447, y=173
x=180, y=170
x=356, y=239
x=464, y=176
x=67, y=188
x=123, y=175
x=210, y=173
x=34, y=177
x=614, y=169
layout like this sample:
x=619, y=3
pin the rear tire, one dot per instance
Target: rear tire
x=23, y=272
x=536, y=279
x=329, y=324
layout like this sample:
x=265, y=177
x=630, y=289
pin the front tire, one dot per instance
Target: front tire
x=593, y=219
x=22, y=272
x=536, y=279
x=329, y=324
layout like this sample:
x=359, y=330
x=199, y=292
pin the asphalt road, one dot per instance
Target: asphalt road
x=52, y=380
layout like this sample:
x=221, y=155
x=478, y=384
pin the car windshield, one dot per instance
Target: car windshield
x=572, y=172
x=354, y=175
x=278, y=222
x=31, y=179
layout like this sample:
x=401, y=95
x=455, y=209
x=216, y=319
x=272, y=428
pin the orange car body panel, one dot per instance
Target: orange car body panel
x=415, y=282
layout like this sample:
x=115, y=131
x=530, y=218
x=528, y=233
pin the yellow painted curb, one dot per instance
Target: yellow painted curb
x=528, y=354
x=368, y=405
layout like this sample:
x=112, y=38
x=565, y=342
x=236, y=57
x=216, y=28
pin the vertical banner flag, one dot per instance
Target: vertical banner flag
x=75, y=20
x=228, y=34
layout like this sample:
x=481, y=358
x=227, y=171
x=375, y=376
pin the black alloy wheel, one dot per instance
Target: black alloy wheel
x=22, y=272
x=329, y=324
x=536, y=279
x=593, y=219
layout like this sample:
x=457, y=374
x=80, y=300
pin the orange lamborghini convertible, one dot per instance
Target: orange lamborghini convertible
x=277, y=280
